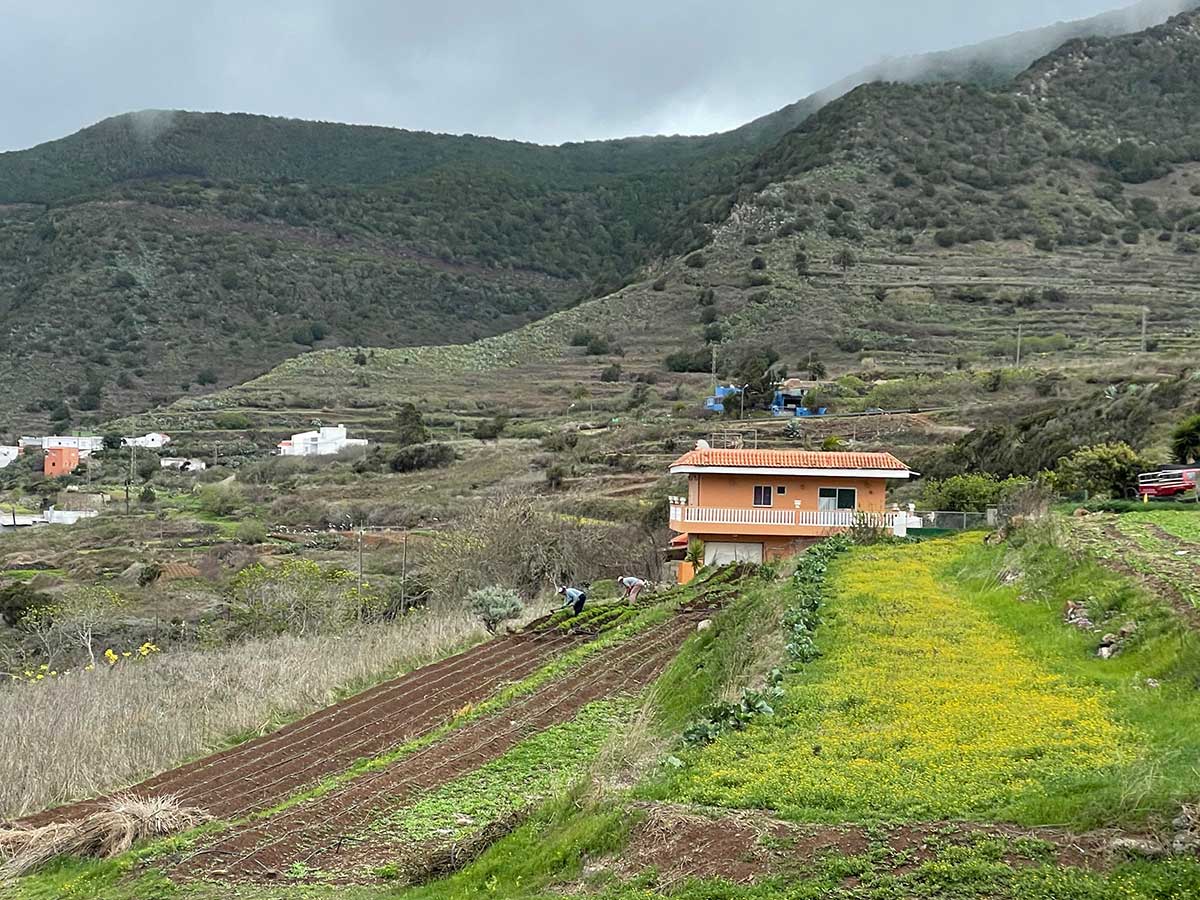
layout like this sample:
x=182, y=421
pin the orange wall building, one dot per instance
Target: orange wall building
x=60, y=461
x=759, y=505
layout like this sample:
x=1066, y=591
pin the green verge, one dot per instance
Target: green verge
x=1150, y=686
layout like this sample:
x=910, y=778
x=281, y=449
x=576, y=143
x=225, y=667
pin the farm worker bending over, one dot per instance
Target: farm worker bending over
x=572, y=597
x=632, y=586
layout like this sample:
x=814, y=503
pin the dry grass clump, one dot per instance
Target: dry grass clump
x=103, y=834
x=89, y=733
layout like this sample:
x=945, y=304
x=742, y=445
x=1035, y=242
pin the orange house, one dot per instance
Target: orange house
x=60, y=461
x=759, y=505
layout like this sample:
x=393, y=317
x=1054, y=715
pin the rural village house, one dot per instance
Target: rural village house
x=759, y=505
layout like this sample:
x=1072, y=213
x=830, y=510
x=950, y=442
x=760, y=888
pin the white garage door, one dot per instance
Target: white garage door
x=721, y=554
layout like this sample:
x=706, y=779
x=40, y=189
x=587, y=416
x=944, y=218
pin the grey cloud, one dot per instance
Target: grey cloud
x=547, y=72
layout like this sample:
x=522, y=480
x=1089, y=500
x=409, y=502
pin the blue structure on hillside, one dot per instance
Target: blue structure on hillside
x=716, y=403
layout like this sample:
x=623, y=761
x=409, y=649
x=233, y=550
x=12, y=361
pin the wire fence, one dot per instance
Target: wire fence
x=949, y=520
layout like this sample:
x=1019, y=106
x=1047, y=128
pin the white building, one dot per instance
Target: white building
x=324, y=442
x=182, y=463
x=153, y=441
x=8, y=454
x=85, y=444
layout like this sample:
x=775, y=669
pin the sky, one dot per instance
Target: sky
x=539, y=70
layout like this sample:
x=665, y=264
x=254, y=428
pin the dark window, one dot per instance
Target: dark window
x=781, y=490
x=762, y=495
x=837, y=498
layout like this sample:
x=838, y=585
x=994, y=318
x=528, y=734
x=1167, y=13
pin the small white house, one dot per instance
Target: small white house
x=155, y=440
x=325, y=441
x=182, y=464
x=8, y=454
x=85, y=444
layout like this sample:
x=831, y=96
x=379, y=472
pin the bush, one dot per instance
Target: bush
x=611, y=373
x=598, y=346
x=695, y=261
x=147, y=495
x=417, y=457
x=250, y=531
x=1104, y=469
x=495, y=605
x=689, y=361
x=231, y=421
x=969, y=492
x=18, y=599
x=219, y=499
x=150, y=573
x=758, y=263
x=582, y=338
x=490, y=429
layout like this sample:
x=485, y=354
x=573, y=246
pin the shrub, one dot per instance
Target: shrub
x=490, y=429
x=147, y=495
x=611, y=373
x=219, y=499
x=417, y=457
x=207, y=375
x=969, y=492
x=598, y=346
x=689, y=361
x=231, y=421
x=150, y=573
x=758, y=263
x=250, y=531
x=495, y=605
x=582, y=338
x=695, y=261
x=18, y=599
x=1105, y=469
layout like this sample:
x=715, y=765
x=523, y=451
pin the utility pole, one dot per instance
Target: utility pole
x=360, y=543
x=404, y=574
x=1019, y=327
x=714, y=369
x=129, y=479
x=1145, y=310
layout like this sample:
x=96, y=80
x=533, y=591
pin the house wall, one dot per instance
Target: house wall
x=737, y=491
x=60, y=461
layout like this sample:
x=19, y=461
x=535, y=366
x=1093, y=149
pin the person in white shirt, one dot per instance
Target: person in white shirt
x=632, y=586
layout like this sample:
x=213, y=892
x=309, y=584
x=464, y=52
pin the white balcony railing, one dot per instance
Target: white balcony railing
x=787, y=518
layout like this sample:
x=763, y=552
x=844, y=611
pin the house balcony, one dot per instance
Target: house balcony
x=775, y=521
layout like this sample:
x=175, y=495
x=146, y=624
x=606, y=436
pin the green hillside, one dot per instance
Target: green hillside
x=156, y=254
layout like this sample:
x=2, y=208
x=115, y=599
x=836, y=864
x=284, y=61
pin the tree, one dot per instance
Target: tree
x=495, y=605
x=409, y=427
x=845, y=259
x=816, y=370
x=753, y=369
x=1104, y=469
x=207, y=375
x=81, y=612
x=1185, y=440
x=416, y=457
x=112, y=441
x=969, y=492
x=147, y=496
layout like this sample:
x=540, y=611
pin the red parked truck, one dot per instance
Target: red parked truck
x=1169, y=481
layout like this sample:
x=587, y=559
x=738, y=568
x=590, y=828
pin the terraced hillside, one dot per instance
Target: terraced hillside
x=156, y=254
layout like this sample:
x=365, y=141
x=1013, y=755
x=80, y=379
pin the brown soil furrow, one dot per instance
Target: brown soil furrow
x=314, y=831
x=386, y=712
x=321, y=753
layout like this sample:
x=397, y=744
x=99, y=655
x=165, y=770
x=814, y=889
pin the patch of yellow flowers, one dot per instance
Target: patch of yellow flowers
x=922, y=706
x=112, y=657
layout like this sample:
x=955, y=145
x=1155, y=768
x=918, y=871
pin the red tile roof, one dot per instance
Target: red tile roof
x=789, y=459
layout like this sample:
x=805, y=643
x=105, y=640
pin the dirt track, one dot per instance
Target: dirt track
x=327, y=834
x=261, y=773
